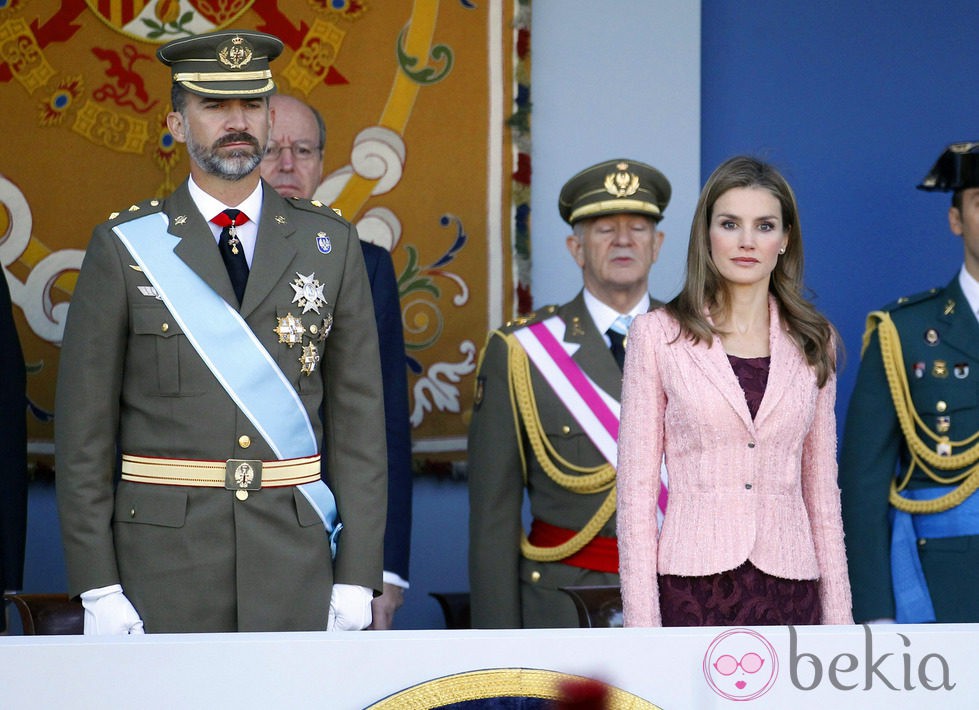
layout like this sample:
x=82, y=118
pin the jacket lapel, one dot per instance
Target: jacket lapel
x=714, y=365
x=197, y=247
x=961, y=330
x=783, y=367
x=273, y=251
x=592, y=355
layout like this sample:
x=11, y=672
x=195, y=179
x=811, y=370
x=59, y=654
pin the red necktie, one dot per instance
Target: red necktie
x=232, y=250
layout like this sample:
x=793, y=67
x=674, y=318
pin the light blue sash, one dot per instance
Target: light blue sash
x=911, y=596
x=231, y=352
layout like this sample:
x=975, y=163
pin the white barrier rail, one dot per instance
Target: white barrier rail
x=921, y=666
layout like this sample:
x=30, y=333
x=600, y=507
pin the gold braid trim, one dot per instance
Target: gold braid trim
x=576, y=543
x=922, y=457
x=593, y=479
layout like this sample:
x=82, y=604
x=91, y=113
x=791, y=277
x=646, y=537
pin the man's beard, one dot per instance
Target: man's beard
x=233, y=166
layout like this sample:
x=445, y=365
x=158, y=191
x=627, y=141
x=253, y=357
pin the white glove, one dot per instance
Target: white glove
x=108, y=612
x=350, y=608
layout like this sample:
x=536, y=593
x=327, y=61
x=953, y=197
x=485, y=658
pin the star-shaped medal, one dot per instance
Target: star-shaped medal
x=290, y=330
x=309, y=293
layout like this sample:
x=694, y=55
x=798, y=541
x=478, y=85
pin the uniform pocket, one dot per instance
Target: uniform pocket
x=144, y=504
x=305, y=512
x=159, y=331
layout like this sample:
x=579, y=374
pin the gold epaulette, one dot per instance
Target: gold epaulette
x=923, y=456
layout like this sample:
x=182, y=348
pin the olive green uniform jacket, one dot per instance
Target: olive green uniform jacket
x=939, y=338
x=199, y=559
x=507, y=590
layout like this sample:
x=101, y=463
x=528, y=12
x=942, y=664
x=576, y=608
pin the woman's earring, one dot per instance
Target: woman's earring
x=782, y=250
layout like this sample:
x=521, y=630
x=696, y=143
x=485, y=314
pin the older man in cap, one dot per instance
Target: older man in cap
x=909, y=464
x=546, y=409
x=219, y=340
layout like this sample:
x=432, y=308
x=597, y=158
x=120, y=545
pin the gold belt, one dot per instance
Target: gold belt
x=233, y=474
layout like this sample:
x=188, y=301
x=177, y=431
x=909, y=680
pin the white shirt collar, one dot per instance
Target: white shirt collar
x=970, y=287
x=210, y=206
x=603, y=315
x=252, y=206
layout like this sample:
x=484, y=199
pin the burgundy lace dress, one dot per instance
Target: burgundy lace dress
x=744, y=595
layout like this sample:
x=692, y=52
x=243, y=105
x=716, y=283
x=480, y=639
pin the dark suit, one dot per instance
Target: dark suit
x=390, y=335
x=507, y=589
x=13, y=450
x=193, y=558
x=939, y=337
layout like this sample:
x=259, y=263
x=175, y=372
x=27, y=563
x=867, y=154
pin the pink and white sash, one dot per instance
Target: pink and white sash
x=596, y=411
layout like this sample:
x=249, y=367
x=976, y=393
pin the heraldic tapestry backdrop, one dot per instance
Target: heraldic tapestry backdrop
x=426, y=105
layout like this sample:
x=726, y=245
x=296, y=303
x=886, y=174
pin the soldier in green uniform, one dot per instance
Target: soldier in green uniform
x=220, y=338
x=910, y=457
x=545, y=416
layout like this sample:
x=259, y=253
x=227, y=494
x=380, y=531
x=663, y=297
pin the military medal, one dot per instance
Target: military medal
x=961, y=370
x=931, y=336
x=944, y=447
x=309, y=358
x=939, y=369
x=308, y=293
x=323, y=243
x=919, y=370
x=943, y=423
x=233, y=238
x=326, y=327
x=290, y=330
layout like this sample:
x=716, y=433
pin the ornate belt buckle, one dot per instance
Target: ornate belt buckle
x=243, y=475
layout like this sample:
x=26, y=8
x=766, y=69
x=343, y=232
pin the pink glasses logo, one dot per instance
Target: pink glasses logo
x=740, y=665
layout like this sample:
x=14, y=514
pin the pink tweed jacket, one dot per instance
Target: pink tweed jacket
x=762, y=490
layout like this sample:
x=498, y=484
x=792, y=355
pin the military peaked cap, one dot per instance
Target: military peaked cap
x=227, y=64
x=614, y=186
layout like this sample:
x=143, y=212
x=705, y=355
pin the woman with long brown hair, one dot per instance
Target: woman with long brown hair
x=734, y=383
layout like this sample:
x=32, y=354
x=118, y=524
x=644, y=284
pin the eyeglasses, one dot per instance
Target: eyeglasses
x=300, y=151
x=749, y=663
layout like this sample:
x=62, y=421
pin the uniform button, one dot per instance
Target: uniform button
x=921, y=542
x=241, y=495
x=747, y=486
x=565, y=430
x=751, y=444
x=165, y=327
x=313, y=329
x=941, y=405
x=132, y=512
x=244, y=441
x=535, y=576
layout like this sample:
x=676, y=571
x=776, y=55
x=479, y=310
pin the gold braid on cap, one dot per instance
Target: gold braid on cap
x=922, y=456
x=590, y=479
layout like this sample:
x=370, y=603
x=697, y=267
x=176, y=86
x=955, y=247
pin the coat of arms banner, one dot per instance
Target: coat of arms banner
x=427, y=112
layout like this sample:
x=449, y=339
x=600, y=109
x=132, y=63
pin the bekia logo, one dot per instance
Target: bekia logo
x=740, y=664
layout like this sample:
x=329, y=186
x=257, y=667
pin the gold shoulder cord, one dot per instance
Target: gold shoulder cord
x=922, y=455
x=595, y=479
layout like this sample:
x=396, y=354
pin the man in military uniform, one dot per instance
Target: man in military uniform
x=545, y=416
x=207, y=332
x=909, y=463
